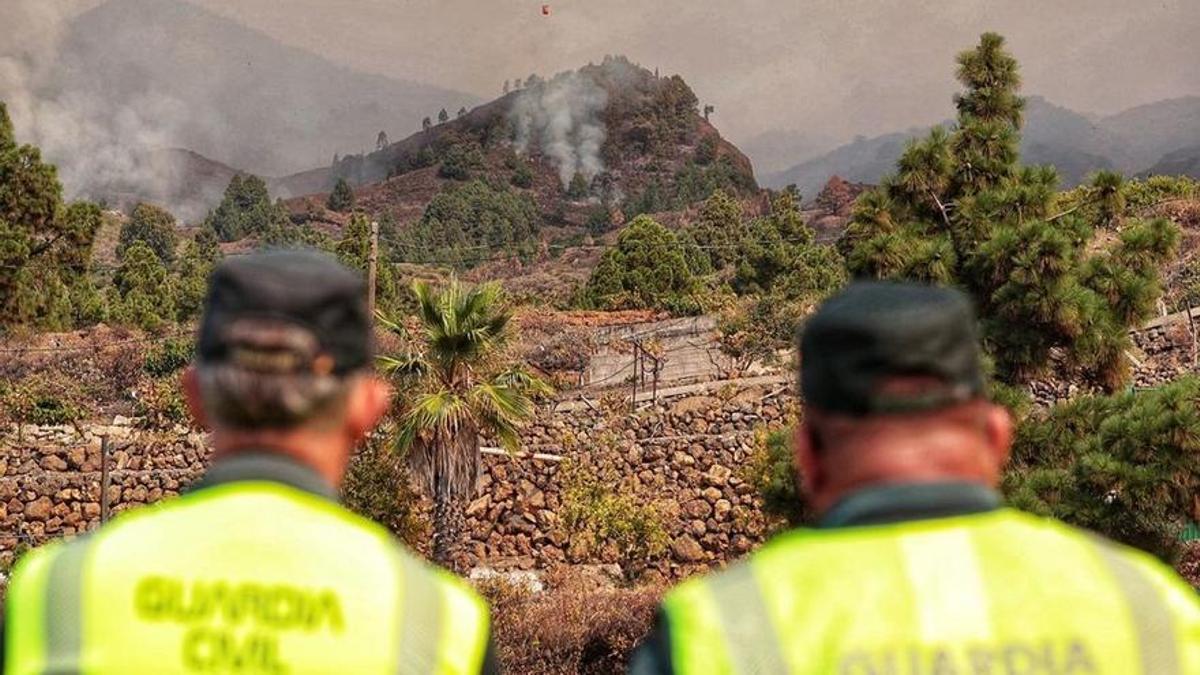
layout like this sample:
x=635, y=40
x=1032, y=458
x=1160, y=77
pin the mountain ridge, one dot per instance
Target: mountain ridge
x=1076, y=143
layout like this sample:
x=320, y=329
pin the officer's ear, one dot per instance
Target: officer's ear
x=195, y=401
x=368, y=402
x=998, y=432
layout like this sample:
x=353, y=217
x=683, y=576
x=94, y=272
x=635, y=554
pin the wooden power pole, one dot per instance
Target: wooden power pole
x=372, y=261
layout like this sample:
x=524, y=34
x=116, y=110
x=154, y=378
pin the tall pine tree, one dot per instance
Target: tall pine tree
x=961, y=210
x=45, y=245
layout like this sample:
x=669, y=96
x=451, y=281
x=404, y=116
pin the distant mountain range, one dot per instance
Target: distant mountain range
x=231, y=93
x=1156, y=138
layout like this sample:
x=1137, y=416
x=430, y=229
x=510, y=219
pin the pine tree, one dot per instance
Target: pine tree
x=354, y=248
x=426, y=124
x=961, y=210
x=443, y=116
x=45, y=245
x=341, y=199
x=522, y=175
x=461, y=111
x=155, y=227
x=246, y=210
x=648, y=267
x=147, y=297
x=719, y=228
x=191, y=279
x=1126, y=466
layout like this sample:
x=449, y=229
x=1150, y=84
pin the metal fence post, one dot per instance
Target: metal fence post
x=104, y=479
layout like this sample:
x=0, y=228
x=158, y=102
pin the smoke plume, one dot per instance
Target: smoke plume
x=562, y=117
x=102, y=148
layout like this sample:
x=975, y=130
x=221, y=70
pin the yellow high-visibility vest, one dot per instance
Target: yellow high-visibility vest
x=999, y=593
x=244, y=577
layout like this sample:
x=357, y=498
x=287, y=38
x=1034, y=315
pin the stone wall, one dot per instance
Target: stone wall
x=680, y=457
x=683, y=458
x=50, y=478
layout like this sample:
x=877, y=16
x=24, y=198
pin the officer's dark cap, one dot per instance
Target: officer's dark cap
x=256, y=303
x=874, y=335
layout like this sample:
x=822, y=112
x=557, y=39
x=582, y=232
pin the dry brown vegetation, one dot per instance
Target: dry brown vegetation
x=579, y=624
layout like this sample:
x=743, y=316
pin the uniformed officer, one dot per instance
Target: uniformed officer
x=915, y=567
x=257, y=569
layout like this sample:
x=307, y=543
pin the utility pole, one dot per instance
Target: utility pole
x=372, y=261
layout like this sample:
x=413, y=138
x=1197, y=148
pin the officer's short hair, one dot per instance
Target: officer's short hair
x=245, y=393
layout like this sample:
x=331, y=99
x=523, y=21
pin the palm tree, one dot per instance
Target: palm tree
x=457, y=383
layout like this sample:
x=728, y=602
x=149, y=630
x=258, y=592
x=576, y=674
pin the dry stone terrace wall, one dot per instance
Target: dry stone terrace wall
x=683, y=456
x=50, y=479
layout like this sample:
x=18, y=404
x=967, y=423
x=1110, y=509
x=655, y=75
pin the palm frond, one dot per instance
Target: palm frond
x=403, y=366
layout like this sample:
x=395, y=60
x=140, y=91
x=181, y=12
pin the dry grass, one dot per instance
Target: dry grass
x=580, y=624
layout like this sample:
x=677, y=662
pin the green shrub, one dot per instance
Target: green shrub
x=522, y=175
x=42, y=399
x=771, y=470
x=597, y=513
x=377, y=487
x=169, y=356
x=159, y=404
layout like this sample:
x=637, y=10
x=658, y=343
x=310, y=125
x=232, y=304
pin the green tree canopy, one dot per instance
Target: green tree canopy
x=960, y=210
x=153, y=225
x=460, y=160
x=341, y=198
x=465, y=219
x=578, y=188
x=245, y=210
x=199, y=258
x=778, y=255
x=719, y=228
x=649, y=266
x=45, y=245
x=1127, y=466
x=145, y=294
x=354, y=250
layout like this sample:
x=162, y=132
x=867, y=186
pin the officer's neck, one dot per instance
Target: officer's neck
x=946, y=458
x=326, y=452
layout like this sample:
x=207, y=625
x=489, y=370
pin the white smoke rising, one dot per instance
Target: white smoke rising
x=562, y=117
x=101, y=148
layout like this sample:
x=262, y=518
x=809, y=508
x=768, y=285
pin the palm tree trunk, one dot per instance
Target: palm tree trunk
x=449, y=521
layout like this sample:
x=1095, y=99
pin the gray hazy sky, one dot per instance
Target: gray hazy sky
x=828, y=67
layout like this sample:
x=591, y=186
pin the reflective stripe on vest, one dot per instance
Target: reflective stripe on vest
x=248, y=578
x=420, y=634
x=998, y=593
x=745, y=624
x=64, y=613
x=1157, y=645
